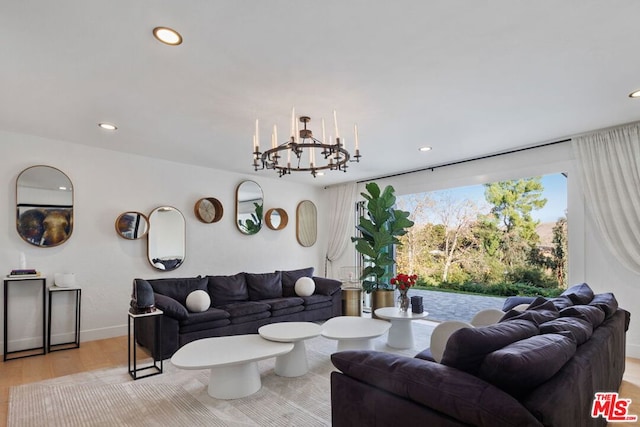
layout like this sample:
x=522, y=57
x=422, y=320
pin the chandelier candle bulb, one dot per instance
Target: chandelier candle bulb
x=324, y=139
x=257, y=136
x=355, y=131
x=274, y=137
x=293, y=124
x=335, y=123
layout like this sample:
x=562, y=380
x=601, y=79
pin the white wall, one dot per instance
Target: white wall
x=589, y=261
x=107, y=183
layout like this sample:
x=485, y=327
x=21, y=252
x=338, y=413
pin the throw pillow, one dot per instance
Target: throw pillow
x=591, y=314
x=578, y=329
x=198, y=301
x=305, y=286
x=524, y=365
x=605, y=302
x=264, y=286
x=539, y=311
x=178, y=288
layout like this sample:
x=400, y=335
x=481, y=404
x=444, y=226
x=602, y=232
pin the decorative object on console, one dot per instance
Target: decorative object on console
x=64, y=280
x=306, y=223
x=142, y=299
x=249, y=207
x=322, y=154
x=132, y=225
x=305, y=286
x=403, y=282
x=44, y=206
x=166, y=238
x=208, y=210
x=276, y=219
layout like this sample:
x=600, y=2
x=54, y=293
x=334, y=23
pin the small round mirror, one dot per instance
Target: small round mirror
x=276, y=219
x=132, y=225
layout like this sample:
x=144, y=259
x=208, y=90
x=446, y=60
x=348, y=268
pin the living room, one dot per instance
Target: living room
x=109, y=180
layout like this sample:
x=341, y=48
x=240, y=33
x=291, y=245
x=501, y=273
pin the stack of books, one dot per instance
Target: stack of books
x=28, y=272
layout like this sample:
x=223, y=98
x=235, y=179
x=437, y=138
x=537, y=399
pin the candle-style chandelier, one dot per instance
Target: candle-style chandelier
x=302, y=152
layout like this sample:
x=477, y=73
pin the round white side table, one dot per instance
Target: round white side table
x=294, y=363
x=401, y=332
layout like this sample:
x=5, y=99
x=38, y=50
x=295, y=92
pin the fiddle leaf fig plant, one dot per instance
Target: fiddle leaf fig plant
x=380, y=229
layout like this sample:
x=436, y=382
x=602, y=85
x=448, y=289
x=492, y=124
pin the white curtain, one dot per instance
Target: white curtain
x=609, y=165
x=342, y=199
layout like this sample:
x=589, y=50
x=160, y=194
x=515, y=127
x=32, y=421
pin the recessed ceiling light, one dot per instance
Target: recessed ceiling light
x=424, y=149
x=635, y=94
x=107, y=126
x=167, y=36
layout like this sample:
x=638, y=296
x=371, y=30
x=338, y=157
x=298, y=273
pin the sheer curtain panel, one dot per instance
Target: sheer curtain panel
x=342, y=199
x=609, y=165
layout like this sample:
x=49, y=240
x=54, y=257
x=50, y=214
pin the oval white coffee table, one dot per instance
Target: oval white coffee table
x=232, y=361
x=354, y=333
x=401, y=332
x=294, y=363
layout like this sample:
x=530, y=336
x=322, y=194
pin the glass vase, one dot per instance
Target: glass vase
x=403, y=301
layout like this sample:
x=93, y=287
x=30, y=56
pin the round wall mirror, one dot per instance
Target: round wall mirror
x=249, y=206
x=44, y=206
x=208, y=210
x=166, y=238
x=276, y=219
x=306, y=223
x=132, y=225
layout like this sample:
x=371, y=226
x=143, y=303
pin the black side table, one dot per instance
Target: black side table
x=28, y=352
x=132, y=345
x=70, y=344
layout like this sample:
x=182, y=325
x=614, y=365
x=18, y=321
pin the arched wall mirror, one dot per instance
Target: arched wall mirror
x=276, y=219
x=166, y=238
x=249, y=207
x=44, y=206
x=132, y=225
x=306, y=223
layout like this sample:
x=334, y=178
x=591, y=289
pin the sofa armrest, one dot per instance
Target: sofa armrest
x=171, y=307
x=326, y=286
x=447, y=390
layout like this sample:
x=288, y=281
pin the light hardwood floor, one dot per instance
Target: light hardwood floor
x=113, y=352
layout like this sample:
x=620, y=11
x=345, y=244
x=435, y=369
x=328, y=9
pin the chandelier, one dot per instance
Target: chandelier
x=302, y=152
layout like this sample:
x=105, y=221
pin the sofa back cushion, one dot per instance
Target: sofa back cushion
x=590, y=313
x=605, y=302
x=264, y=285
x=467, y=347
x=227, y=289
x=179, y=288
x=539, y=311
x=579, y=294
x=578, y=329
x=525, y=364
x=290, y=277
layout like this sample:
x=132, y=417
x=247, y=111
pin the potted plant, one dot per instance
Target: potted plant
x=380, y=228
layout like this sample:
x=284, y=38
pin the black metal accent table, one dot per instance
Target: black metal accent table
x=28, y=352
x=132, y=345
x=70, y=344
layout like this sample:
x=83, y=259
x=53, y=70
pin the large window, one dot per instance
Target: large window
x=500, y=233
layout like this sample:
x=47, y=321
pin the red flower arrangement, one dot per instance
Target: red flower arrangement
x=403, y=281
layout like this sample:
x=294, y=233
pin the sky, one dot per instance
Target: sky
x=555, y=191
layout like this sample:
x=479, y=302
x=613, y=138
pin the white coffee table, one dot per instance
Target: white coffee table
x=232, y=361
x=401, y=332
x=354, y=333
x=294, y=363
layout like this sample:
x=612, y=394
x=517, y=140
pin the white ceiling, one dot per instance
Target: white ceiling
x=467, y=77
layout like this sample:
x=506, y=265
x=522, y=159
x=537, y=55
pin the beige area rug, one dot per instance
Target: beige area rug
x=177, y=397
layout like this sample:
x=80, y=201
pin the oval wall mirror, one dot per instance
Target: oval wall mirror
x=166, y=238
x=306, y=223
x=276, y=219
x=208, y=210
x=249, y=206
x=132, y=225
x=44, y=206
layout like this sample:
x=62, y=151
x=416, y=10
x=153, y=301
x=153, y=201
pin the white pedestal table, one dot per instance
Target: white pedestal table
x=401, y=332
x=294, y=363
